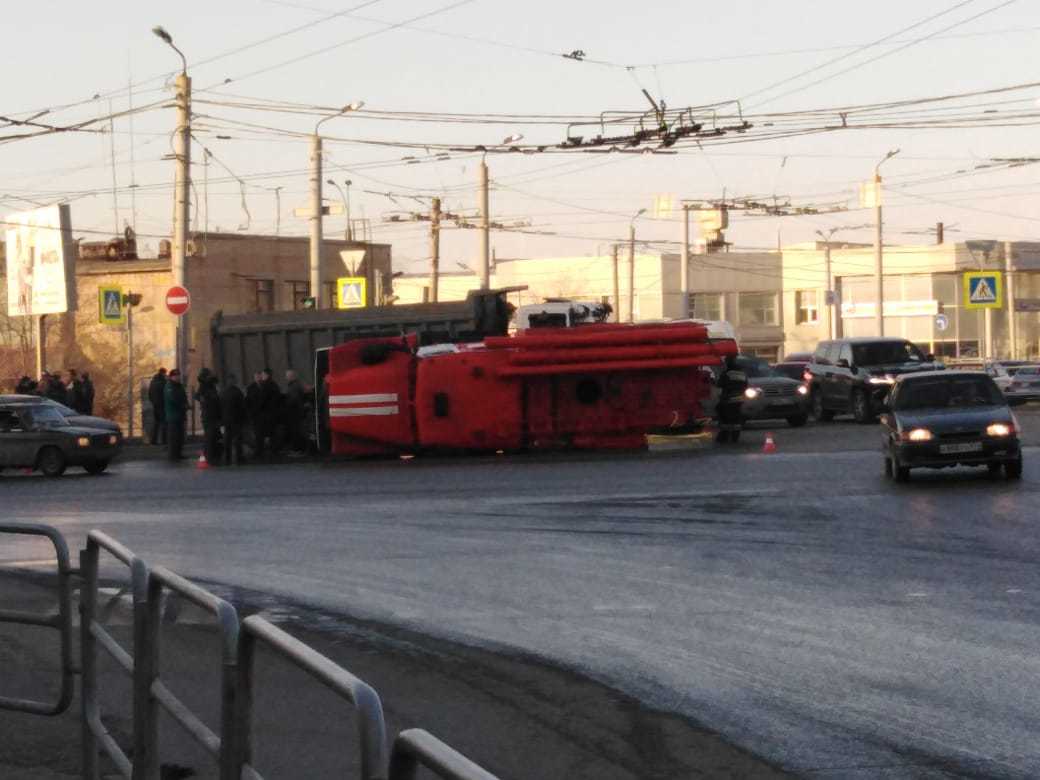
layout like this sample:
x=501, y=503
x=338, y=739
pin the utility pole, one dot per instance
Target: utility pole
x=317, y=212
x=112, y=155
x=632, y=265
x=1009, y=274
x=879, y=259
x=181, y=192
x=129, y=365
x=684, y=270
x=617, y=289
x=181, y=214
x=316, y=223
x=435, y=248
x=350, y=227
x=632, y=271
x=485, y=228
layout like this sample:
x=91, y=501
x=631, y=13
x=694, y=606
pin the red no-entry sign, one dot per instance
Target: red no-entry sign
x=178, y=301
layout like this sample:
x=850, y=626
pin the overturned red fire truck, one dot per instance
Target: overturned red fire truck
x=598, y=386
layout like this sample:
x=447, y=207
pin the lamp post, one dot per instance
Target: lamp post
x=828, y=293
x=485, y=214
x=632, y=265
x=316, y=212
x=181, y=191
x=879, y=259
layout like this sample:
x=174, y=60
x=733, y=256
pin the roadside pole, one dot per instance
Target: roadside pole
x=617, y=287
x=130, y=366
x=317, y=293
x=41, y=344
x=879, y=260
x=1009, y=274
x=632, y=271
x=435, y=248
x=182, y=189
x=684, y=271
x=485, y=228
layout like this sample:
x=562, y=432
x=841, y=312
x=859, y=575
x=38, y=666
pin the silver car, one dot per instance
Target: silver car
x=1025, y=384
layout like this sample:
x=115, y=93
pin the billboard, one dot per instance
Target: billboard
x=41, y=271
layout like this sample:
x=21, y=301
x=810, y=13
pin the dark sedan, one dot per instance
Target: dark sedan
x=70, y=414
x=939, y=419
x=37, y=436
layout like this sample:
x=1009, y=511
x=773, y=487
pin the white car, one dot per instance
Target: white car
x=1000, y=376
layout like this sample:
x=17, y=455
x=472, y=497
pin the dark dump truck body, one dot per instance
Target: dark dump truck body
x=244, y=344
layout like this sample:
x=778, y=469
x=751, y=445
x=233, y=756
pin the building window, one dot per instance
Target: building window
x=766, y=353
x=264, y=294
x=299, y=292
x=757, y=308
x=706, y=306
x=807, y=307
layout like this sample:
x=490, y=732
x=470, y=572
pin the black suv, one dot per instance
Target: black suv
x=855, y=375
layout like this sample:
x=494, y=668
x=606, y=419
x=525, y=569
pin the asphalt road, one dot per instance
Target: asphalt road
x=836, y=624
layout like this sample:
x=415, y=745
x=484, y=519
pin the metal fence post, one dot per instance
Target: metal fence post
x=146, y=713
x=88, y=559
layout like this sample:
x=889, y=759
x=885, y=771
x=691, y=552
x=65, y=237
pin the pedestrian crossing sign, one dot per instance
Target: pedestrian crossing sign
x=351, y=292
x=110, y=306
x=983, y=290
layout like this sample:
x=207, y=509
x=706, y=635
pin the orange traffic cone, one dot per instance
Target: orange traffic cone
x=203, y=463
x=770, y=446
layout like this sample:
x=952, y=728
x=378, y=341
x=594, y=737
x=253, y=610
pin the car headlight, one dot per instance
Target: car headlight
x=83, y=441
x=919, y=434
x=882, y=380
x=802, y=390
x=752, y=393
x=113, y=439
x=1000, y=429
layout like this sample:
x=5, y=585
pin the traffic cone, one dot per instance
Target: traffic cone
x=203, y=463
x=770, y=446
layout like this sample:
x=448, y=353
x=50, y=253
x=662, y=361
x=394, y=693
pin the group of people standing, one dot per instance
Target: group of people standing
x=261, y=414
x=75, y=391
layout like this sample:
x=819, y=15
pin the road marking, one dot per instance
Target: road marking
x=917, y=595
x=1013, y=590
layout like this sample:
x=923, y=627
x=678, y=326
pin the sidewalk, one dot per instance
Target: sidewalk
x=516, y=716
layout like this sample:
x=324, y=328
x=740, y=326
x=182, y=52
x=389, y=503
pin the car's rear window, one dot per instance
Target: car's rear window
x=946, y=393
x=883, y=352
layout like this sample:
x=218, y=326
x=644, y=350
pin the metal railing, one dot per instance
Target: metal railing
x=60, y=620
x=221, y=746
x=414, y=748
x=371, y=726
x=232, y=747
x=92, y=633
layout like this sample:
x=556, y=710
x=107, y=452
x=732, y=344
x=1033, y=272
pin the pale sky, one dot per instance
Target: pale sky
x=485, y=57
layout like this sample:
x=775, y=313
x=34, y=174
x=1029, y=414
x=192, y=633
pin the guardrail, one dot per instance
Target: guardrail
x=92, y=633
x=61, y=621
x=371, y=727
x=232, y=747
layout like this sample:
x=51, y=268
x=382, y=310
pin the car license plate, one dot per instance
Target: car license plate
x=955, y=449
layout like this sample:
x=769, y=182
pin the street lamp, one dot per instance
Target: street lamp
x=879, y=260
x=316, y=214
x=349, y=234
x=515, y=138
x=160, y=32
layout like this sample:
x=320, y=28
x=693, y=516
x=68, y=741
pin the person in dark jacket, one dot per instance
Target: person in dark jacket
x=88, y=394
x=269, y=405
x=233, y=417
x=209, y=400
x=25, y=386
x=253, y=408
x=175, y=403
x=75, y=392
x=55, y=390
x=157, y=434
